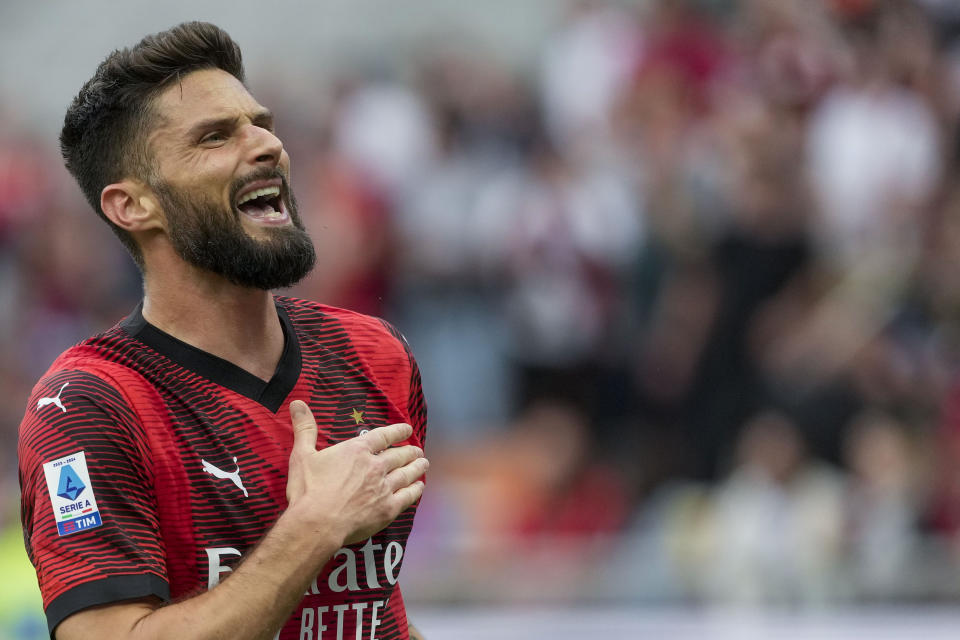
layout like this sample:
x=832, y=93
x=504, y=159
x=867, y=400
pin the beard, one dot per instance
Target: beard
x=212, y=238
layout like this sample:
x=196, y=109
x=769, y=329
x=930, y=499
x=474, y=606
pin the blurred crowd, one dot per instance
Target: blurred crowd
x=684, y=291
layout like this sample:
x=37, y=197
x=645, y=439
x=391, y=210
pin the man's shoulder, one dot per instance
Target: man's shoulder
x=97, y=355
x=96, y=367
x=353, y=322
x=83, y=394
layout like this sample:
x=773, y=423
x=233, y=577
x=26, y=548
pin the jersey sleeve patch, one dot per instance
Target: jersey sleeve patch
x=71, y=494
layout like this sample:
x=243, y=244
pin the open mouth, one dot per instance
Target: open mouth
x=263, y=203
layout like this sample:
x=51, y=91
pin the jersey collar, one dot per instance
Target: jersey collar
x=270, y=394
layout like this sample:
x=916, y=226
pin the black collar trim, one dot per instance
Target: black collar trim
x=222, y=372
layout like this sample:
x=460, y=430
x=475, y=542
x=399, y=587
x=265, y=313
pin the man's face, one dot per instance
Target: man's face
x=222, y=179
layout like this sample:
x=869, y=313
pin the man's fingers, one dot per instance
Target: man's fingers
x=406, y=475
x=398, y=456
x=381, y=438
x=409, y=494
x=304, y=426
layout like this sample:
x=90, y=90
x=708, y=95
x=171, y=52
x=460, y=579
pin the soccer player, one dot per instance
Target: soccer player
x=175, y=482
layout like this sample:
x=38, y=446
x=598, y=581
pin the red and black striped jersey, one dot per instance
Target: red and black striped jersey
x=149, y=467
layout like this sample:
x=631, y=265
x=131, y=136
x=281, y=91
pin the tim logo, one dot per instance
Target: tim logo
x=70, y=485
x=79, y=524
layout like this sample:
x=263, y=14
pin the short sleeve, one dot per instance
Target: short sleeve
x=87, y=505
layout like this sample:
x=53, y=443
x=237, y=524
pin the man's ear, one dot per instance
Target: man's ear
x=131, y=205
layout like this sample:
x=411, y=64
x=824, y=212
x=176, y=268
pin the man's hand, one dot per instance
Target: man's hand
x=355, y=488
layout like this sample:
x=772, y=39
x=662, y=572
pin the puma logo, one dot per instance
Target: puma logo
x=55, y=400
x=233, y=476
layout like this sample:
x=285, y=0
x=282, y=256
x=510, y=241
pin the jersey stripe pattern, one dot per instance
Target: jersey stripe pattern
x=187, y=457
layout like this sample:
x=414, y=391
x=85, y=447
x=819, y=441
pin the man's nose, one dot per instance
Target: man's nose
x=265, y=147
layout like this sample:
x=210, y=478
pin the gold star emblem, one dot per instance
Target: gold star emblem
x=357, y=416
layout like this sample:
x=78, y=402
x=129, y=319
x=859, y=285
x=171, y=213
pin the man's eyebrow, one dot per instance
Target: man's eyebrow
x=263, y=118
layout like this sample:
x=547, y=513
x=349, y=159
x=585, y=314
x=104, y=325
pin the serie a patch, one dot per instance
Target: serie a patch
x=71, y=494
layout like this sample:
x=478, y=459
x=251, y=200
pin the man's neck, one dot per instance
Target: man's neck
x=234, y=323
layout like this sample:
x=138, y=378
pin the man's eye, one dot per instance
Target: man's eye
x=214, y=136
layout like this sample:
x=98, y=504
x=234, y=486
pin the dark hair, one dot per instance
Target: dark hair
x=104, y=132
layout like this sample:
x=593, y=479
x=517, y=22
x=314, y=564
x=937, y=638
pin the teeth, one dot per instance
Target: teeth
x=258, y=193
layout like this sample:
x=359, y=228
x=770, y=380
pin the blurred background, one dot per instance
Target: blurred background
x=682, y=277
